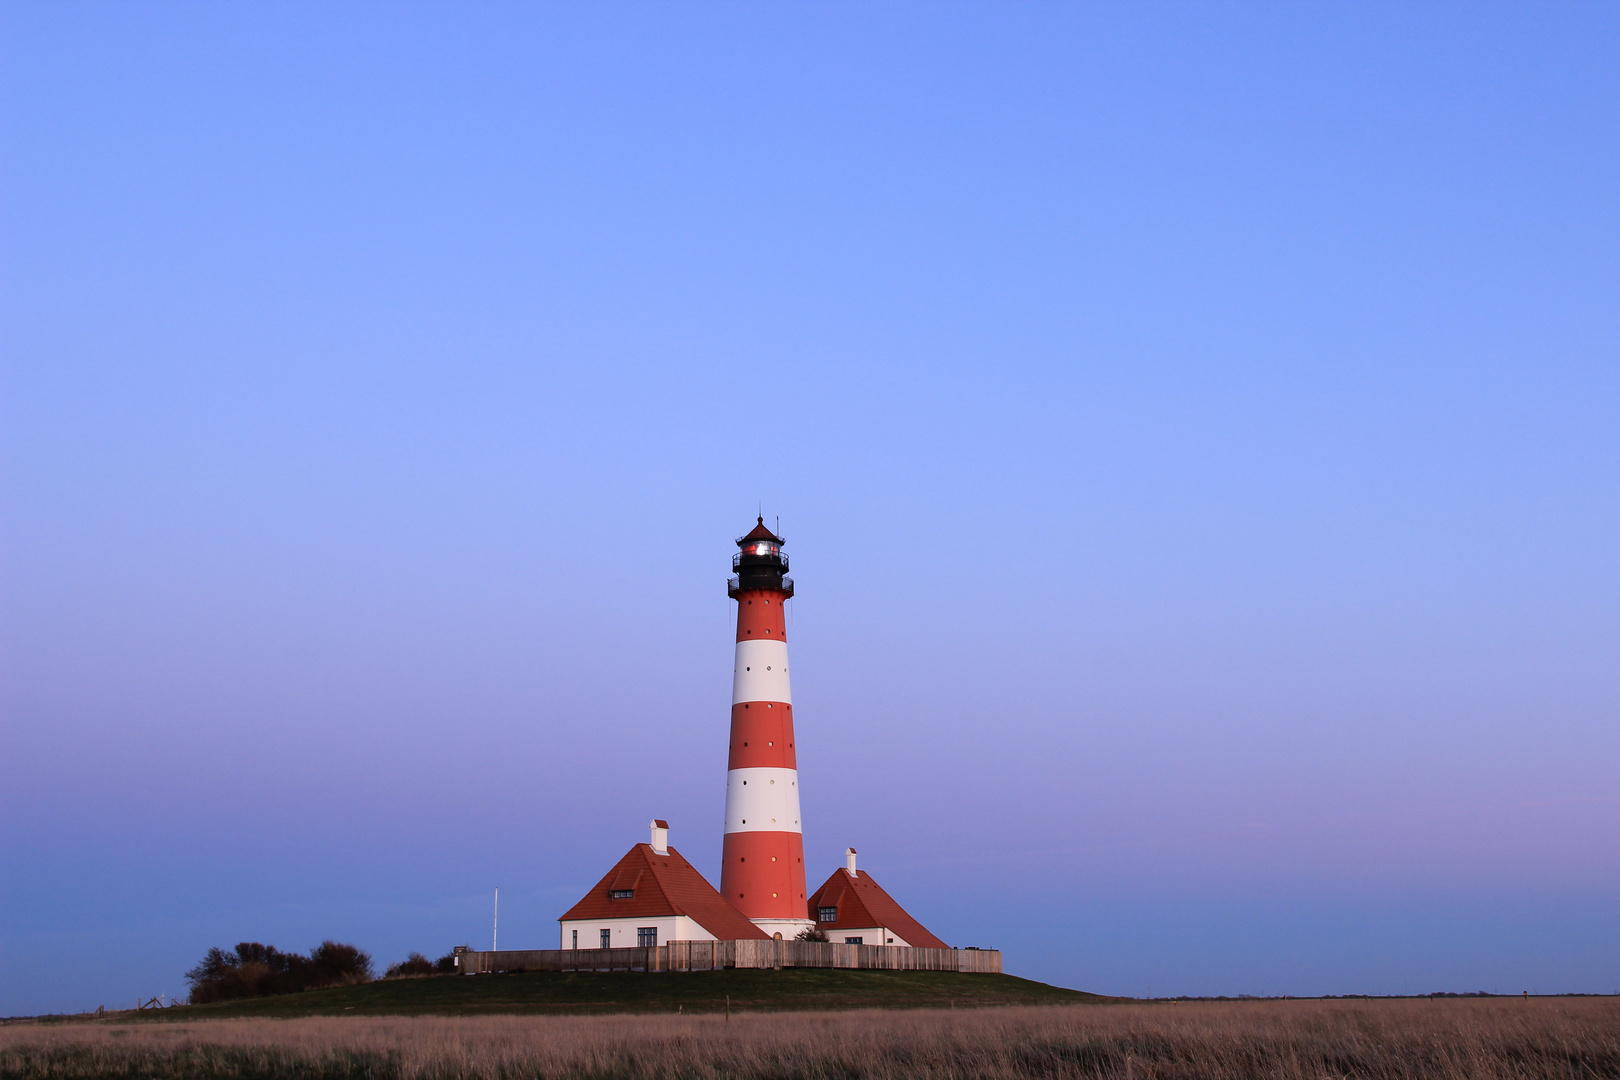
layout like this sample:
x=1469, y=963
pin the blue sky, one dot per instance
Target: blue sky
x=1194, y=427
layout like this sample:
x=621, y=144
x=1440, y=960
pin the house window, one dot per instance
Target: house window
x=646, y=937
x=576, y=939
x=827, y=914
x=607, y=939
x=621, y=894
x=852, y=941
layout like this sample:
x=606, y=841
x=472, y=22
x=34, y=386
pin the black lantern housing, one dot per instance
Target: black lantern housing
x=760, y=562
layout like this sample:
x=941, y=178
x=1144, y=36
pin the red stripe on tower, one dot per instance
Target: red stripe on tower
x=762, y=867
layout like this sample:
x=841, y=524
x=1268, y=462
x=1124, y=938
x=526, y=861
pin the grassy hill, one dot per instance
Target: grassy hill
x=598, y=992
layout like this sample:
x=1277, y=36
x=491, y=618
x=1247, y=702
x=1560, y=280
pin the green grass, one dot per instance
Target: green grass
x=596, y=992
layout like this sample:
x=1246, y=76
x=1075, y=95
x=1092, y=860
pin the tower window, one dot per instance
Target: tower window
x=827, y=914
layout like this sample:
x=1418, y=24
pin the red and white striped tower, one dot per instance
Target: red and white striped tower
x=762, y=868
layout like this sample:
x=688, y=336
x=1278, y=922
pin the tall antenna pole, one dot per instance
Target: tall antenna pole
x=495, y=938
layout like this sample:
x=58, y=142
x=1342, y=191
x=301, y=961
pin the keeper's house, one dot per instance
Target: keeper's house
x=652, y=896
x=852, y=909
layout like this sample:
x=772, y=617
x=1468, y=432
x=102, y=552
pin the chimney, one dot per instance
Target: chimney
x=660, y=837
x=849, y=860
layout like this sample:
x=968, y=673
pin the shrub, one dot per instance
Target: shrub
x=255, y=970
x=414, y=964
x=333, y=964
x=811, y=933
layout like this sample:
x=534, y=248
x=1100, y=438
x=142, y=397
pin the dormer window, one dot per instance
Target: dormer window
x=827, y=914
x=623, y=886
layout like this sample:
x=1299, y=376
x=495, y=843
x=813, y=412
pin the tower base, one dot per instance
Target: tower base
x=788, y=928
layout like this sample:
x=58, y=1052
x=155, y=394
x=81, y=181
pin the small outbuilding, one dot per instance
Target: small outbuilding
x=853, y=909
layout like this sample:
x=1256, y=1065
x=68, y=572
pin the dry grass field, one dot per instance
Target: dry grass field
x=1308, y=1040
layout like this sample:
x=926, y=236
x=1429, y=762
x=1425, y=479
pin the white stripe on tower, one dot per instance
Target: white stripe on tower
x=761, y=673
x=762, y=800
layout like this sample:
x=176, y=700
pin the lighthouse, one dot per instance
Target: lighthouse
x=762, y=867
x=653, y=895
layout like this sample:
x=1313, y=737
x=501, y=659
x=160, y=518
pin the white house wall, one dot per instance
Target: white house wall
x=670, y=928
x=871, y=935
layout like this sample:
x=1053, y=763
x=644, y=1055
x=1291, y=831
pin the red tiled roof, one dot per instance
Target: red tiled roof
x=862, y=903
x=760, y=533
x=664, y=885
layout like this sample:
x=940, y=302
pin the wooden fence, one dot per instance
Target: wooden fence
x=713, y=955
